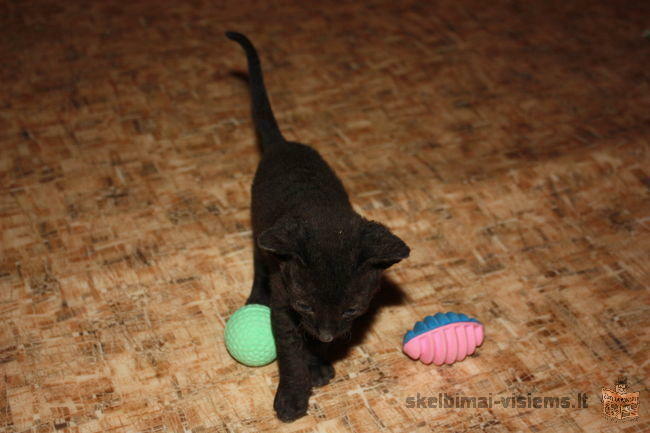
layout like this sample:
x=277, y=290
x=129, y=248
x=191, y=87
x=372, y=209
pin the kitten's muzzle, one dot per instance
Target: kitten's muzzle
x=325, y=336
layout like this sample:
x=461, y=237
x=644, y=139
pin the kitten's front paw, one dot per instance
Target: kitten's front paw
x=290, y=403
x=321, y=373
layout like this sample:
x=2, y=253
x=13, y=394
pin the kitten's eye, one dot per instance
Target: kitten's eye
x=350, y=313
x=303, y=307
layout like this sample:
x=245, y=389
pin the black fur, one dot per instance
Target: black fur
x=317, y=262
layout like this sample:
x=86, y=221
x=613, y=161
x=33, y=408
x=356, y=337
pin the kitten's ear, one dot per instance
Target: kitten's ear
x=281, y=240
x=380, y=247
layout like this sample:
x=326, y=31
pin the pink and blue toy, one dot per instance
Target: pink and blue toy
x=443, y=338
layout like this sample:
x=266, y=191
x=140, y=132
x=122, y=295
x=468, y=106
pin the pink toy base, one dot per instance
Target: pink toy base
x=446, y=344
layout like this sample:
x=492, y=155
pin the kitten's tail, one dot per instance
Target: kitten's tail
x=265, y=122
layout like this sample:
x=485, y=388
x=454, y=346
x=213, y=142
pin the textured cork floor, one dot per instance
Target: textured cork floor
x=507, y=144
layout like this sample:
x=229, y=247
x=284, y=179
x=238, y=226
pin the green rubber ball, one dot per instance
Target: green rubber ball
x=249, y=337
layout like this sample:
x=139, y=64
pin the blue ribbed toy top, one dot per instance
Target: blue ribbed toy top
x=436, y=321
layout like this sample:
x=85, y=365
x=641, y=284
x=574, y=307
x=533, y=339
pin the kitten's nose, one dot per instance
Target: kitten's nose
x=325, y=336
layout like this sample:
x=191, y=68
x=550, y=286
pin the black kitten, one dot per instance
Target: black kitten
x=317, y=262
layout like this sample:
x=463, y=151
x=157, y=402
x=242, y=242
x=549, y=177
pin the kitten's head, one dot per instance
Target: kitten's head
x=331, y=268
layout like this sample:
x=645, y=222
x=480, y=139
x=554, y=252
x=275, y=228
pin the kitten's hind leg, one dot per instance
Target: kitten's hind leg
x=260, y=292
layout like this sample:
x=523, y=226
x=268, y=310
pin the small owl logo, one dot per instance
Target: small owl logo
x=620, y=404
